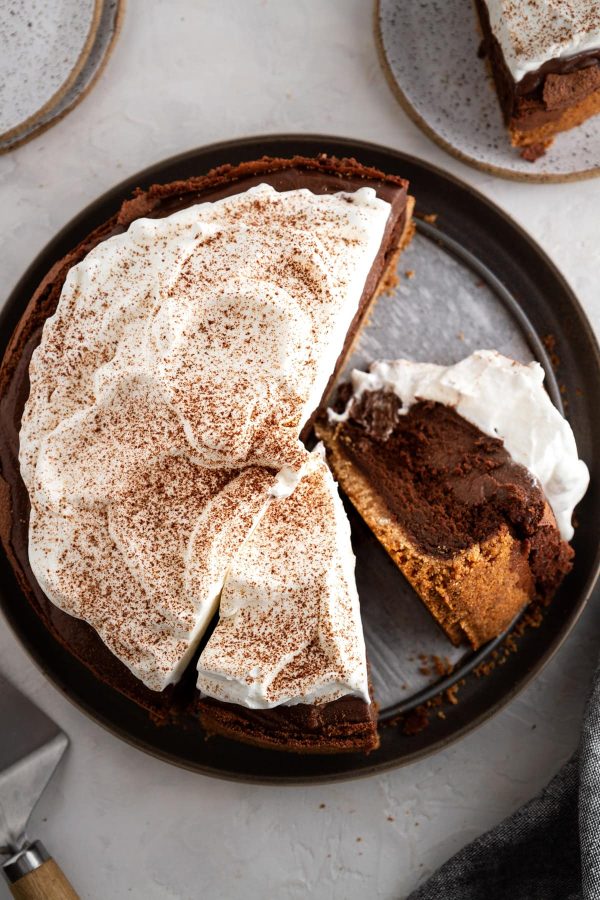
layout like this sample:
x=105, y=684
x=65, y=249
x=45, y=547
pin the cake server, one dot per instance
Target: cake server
x=31, y=746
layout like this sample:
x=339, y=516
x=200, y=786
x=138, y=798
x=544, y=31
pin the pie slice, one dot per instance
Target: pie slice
x=285, y=667
x=545, y=59
x=468, y=475
x=145, y=570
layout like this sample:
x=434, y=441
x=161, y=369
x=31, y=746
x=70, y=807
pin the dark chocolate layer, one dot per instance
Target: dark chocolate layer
x=449, y=485
x=343, y=724
x=320, y=175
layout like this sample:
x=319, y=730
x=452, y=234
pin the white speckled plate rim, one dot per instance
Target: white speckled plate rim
x=581, y=145
x=56, y=97
x=111, y=19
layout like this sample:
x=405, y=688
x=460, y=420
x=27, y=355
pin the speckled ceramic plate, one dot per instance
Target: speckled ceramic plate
x=107, y=23
x=429, y=53
x=43, y=47
x=470, y=279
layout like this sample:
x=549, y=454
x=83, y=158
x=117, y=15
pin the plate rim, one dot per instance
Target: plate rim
x=262, y=143
x=53, y=112
x=432, y=134
x=66, y=85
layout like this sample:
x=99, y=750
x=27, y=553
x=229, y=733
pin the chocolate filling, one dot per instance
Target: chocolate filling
x=447, y=484
x=321, y=176
x=343, y=721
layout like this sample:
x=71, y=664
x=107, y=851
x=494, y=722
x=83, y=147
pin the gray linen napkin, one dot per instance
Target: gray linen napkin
x=548, y=850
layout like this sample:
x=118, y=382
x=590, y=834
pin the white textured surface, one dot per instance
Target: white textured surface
x=123, y=824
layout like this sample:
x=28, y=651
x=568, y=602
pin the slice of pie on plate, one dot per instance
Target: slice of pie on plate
x=468, y=475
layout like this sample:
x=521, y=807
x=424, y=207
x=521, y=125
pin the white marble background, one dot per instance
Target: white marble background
x=185, y=73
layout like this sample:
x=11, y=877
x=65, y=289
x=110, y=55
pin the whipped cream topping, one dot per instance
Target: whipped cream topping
x=532, y=32
x=289, y=629
x=228, y=317
x=180, y=351
x=146, y=569
x=504, y=399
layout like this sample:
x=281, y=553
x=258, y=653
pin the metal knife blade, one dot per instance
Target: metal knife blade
x=31, y=746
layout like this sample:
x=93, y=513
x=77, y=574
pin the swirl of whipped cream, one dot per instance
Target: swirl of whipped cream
x=227, y=318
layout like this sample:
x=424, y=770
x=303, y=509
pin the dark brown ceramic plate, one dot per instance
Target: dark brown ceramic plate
x=479, y=281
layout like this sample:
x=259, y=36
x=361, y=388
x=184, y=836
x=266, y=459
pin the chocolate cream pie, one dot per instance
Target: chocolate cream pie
x=468, y=476
x=545, y=60
x=152, y=398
